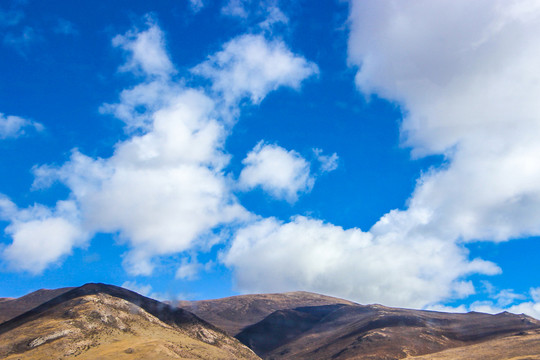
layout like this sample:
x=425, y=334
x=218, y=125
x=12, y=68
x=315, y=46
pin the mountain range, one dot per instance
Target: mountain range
x=98, y=321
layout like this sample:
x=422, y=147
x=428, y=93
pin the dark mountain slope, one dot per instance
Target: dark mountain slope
x=10, y=308
x=373, y=332
x=234, y=313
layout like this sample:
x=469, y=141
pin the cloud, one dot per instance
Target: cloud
x=316, y=256
x=327, y=162
x=15, y=126
x=41, y=236
x=465, y=75
x=196, y=5
x=164, y=190
x=188, y=270
x=65, y=27
x=505, y=300
x=251, y=66
x=236, y=8
x=471, y=97
x=143, y=289
x=146, y=51
x=283, y=174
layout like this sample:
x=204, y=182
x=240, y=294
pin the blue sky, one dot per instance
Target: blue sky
x=379, y=151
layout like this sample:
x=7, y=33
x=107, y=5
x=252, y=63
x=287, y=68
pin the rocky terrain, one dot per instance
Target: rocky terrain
x=310, y=326
x=98, y=321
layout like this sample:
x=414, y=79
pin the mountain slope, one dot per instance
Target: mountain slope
x=373, y=332
x=521, y=346
x=234, y=313
x=10, y=308
x=108, y=322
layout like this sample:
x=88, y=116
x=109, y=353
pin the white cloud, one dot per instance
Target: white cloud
x=41, y=236
x=196, y=5
x=146, y=51
x=15, y=126
x=465, y=74
x=327, y=162
x=251, y=66
x=274, y=16
x=143, y=289
x=236, y=8
x=164, y=190
x=315, y=256
x=188, y=270
x=470, y=96
x=505, y=300
x=284, y=174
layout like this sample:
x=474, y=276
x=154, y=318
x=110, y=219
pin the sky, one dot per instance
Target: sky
x=378, y=151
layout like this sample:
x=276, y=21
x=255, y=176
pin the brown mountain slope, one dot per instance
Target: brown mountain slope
x=99, y=321
x=232, y=314
x=10, y=308
x=522, y=346
x=373, y=332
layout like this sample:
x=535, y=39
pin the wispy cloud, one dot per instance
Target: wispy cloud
x=15, y=126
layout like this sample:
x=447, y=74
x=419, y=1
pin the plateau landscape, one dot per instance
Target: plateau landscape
x=270, y=179
x=98, y=321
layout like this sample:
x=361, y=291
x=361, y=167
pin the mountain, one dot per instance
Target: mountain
x=97, y=321
x=234, y=313
x=302, y=325
x=10, y=308
x=375, y=332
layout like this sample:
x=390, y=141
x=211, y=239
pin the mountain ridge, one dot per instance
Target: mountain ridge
x=105, y=321
x=110, y=322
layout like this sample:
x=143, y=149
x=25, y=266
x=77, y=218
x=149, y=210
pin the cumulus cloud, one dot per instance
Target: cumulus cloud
x=164, y=190
x=283, y=174
x=161, y=191
x=310, y=254
x=41, y=236
x=465, y=75
x=470, y=97
x=252, y=66
x=146, y=51
x=14, y=126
